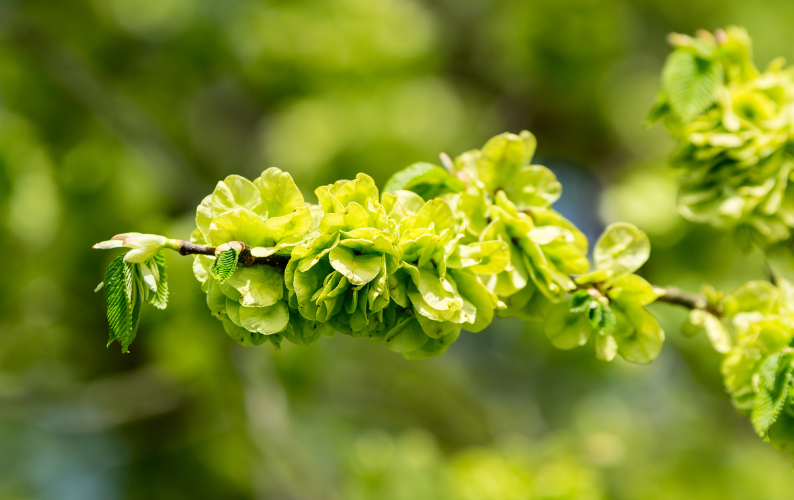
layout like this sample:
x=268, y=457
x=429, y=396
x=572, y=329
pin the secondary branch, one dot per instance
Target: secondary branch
x=676, y=296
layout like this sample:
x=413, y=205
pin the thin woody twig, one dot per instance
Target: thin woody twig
x=188, y=248
x=676, y=296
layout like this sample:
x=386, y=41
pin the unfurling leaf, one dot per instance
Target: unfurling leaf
x=225, y=264
x=124, y=298
x=690, y=83
x=580, y=302
x=159, y=298
x=775, y=378
x=602, y=319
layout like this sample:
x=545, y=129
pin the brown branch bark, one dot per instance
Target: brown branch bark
x=188, y=248
x=676, y=296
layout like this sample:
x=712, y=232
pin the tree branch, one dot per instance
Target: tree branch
x=676, y=296
x=188, y=248
x=672, y=295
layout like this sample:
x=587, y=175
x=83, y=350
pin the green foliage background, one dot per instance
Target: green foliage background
x=120, y=115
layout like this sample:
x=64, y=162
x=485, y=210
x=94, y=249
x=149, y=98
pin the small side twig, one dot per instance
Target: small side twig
x=676, y=296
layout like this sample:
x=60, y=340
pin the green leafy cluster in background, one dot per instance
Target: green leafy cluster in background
x=758, y=370
x=441, y=250
x=735, y=125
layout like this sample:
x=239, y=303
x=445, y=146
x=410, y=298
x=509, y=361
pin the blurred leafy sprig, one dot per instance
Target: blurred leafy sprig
x=735, y=126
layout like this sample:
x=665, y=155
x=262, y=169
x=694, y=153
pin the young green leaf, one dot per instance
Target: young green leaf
x=775, y=378
x=659, y=110
x=638, y=333
x=690, y=83
x=567, y=330
x=159, y=298
x=225, y=264
x=123, y=300
x=427, y=180
x=716, y=333
x=602, y=319
x=580, y=302
x=594, y=315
